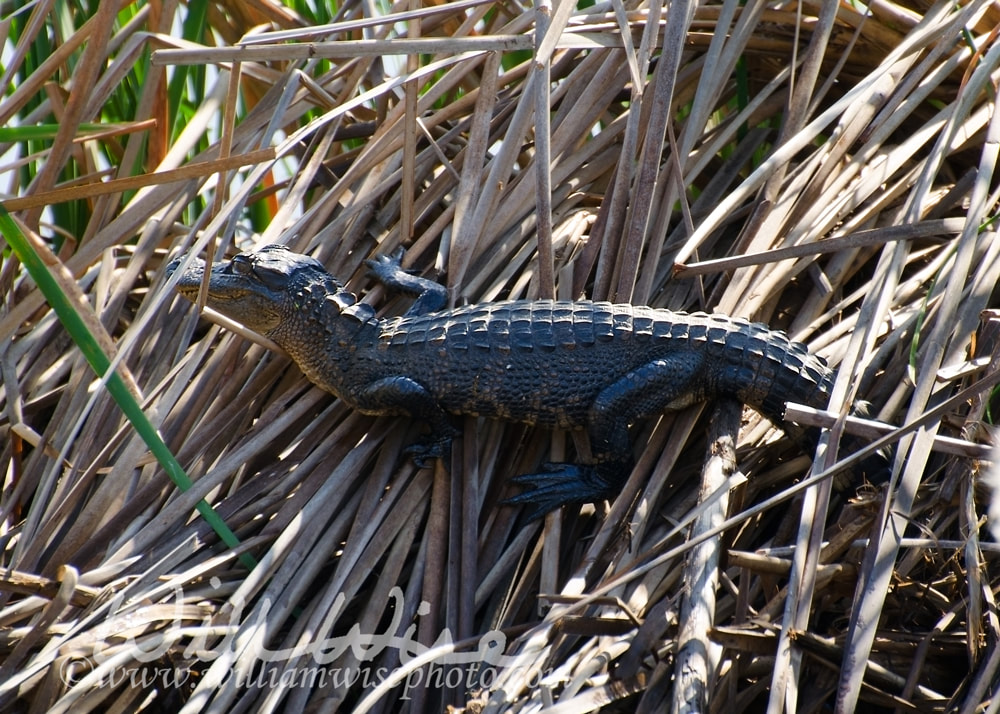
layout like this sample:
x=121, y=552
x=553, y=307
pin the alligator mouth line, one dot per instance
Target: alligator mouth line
x=191, y=293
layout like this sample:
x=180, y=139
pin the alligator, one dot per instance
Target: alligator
x=593, y=366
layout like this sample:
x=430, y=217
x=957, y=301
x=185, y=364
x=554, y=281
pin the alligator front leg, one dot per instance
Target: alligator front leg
x=406, y=397
x=431, y=296
x=660, y=385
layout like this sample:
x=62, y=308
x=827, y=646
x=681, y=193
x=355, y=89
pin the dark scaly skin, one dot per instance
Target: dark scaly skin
x=571, y=365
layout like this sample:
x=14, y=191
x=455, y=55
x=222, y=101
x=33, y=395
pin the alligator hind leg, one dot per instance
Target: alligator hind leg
x=660, y=385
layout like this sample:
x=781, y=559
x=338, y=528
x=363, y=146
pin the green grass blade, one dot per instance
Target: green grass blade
x=101, y=364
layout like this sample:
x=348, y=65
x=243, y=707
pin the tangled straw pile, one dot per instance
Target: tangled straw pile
x=826, y=168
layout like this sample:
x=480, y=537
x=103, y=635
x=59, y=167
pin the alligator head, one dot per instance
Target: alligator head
x=271, y=290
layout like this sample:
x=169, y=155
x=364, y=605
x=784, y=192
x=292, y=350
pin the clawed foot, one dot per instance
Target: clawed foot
x=560, y=484
x=423, y=452
x=386, y=268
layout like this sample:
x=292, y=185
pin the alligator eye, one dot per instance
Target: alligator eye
x=274, y=279
x=241, y=265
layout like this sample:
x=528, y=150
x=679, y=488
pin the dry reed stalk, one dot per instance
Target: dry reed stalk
x=829, y=172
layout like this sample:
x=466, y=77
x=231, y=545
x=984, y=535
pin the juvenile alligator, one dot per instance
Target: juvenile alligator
x=571, y=365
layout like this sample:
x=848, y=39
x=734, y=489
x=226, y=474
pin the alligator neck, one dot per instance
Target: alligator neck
x=327, y=331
